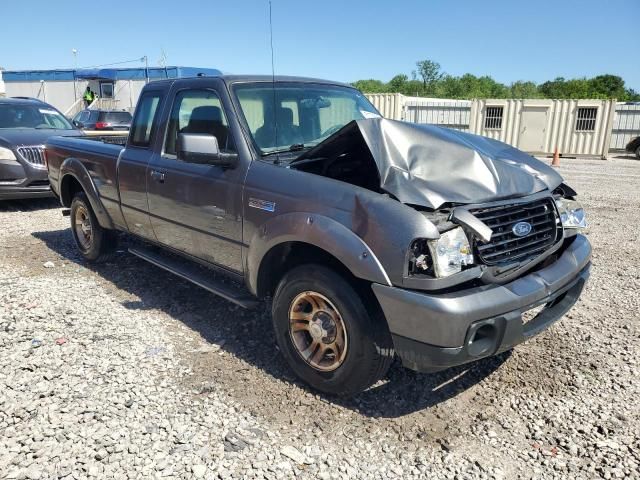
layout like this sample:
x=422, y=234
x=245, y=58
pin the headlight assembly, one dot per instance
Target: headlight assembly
x=572, y=215
x=450, y=252
x=6, y=154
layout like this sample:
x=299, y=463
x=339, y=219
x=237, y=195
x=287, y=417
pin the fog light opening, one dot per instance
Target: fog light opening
x=482, y=340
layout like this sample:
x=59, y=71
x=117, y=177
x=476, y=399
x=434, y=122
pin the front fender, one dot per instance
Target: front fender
x=319, y=231
x=73, y=168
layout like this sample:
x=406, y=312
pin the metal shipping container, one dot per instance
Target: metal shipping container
x=626, y=125
x=575, y=127
x=435, y=111
x=390, y=105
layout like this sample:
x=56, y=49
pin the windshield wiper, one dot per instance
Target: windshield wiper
x=296, y=147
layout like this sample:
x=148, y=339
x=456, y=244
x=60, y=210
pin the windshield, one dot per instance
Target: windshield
x=32, y=116
x=294, y=116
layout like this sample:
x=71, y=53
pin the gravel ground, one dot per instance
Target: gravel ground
x=124, y=371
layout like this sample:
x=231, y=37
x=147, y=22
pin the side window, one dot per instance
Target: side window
x=142, y=124
x=198, y=111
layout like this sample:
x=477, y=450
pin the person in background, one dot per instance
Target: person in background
x=89, y=96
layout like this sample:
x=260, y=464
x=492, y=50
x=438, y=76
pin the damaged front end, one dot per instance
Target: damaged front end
x=499, y=211
x=503, y=239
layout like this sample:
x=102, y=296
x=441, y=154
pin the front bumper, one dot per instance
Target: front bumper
x=18, y=180
x=432, y=332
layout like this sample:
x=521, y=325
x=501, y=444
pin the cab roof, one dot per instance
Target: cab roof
x=231, y=79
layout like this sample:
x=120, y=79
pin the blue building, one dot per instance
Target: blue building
x=116, y=88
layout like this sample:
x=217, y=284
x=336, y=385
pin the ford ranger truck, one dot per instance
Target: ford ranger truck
x=372, y=237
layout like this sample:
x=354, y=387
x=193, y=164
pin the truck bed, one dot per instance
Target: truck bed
x=97, y=154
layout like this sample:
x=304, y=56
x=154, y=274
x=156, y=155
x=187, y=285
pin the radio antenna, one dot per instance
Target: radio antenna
x=273, y=70
x=273, y=78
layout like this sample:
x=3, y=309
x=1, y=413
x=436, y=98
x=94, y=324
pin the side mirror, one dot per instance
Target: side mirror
x=203, y=149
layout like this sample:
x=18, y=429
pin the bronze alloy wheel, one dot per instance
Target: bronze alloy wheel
x=83, y=229
x=317, y=331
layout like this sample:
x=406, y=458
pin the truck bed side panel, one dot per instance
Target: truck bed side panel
x=92, y=159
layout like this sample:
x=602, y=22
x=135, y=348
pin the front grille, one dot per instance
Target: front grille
x=505, y=246
x=33, y=155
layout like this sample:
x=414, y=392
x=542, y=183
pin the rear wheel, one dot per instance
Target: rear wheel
x=638, y=153
x=327, y=335
x=96, y=244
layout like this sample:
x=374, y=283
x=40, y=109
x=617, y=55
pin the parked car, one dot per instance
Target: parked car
x=373, y=237
x=25, y=126
x=103, y=120
x=634, y=147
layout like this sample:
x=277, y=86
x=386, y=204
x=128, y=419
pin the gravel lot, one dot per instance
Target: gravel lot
x=124, y=371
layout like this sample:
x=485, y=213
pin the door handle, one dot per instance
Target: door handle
x=158, y=176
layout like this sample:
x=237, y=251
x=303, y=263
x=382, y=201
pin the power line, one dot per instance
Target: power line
x=139, y=59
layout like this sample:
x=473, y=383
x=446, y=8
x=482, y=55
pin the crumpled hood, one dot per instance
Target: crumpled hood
x=428, y=165
x=17, y=137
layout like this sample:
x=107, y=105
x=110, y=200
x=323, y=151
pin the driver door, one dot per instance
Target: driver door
x=195, y=208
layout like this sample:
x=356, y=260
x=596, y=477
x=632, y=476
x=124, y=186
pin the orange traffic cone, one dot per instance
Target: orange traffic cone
x=556, y=158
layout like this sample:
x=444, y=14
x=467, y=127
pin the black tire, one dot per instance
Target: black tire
x=638, y=153
x=100, y=244
x=369, y=348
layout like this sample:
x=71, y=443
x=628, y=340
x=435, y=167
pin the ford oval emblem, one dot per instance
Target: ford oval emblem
x=521, y=229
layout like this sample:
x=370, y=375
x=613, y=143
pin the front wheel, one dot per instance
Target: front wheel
x=638, y=153
x=326, y=334
x=96, y=244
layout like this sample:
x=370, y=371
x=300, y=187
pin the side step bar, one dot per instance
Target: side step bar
x=196, y=274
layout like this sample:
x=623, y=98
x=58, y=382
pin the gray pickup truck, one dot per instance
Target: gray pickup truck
x=373, y=237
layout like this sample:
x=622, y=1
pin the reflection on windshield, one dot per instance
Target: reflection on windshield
x=296, y=115
x=32, y=116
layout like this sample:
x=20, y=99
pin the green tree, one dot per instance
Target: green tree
x=482, y=87
x=429, y=80
x=450, y=87
x=414, y=88
x=371, y=86
x=561, y=88
x=607, y=86
x=631, y=95
x=430, y=73
x=553, y=88
x=522, y=89
x=398, y=83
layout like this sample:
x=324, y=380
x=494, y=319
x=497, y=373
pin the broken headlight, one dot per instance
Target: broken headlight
x=450, y=252
x=572, y=214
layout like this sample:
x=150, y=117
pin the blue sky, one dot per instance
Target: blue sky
x=341, y=40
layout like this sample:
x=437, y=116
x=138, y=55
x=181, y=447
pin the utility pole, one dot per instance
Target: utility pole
x=146, y=68
x=75, y=68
